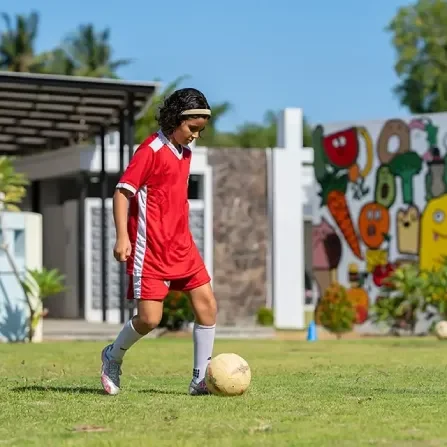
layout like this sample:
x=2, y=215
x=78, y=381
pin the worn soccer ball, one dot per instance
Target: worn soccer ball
x=441, y=330
x=228, y=375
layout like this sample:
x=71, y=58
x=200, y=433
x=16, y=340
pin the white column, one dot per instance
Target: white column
x=288, y=234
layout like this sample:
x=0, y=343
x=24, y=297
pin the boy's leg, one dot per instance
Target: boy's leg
x=150, y=295
x=205, y=310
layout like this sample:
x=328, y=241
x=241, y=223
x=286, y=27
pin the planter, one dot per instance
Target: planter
x=38, y=332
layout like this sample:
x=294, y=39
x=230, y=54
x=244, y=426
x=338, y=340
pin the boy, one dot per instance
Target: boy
x=151, y=213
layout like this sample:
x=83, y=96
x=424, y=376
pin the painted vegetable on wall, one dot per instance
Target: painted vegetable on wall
x=333, y=195
x=385, y=192
x=406, y=165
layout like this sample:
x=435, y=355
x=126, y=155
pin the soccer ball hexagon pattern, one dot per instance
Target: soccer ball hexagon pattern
x=228, y=374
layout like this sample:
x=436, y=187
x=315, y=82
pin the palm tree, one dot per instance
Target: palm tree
x=59, y=63
x=86, y=53
x=17, y=44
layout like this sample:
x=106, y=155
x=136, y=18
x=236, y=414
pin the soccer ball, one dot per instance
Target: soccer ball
x=228, y=375
x=441, y=330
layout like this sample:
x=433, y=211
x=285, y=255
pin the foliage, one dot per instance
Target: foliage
x=177, y=311
x=17, y=44
x=409, y=292
x=419, y=35
x=249, y=135
x=261, y=135
x=87, y=52
x=401, y=299
x=435, y=289
x=264, y=317
x=335, y=311
x=38, y=285
x=12, y=185
x=44, y=282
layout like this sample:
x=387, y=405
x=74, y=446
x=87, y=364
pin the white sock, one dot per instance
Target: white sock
x=203, y=337
x=126, y=338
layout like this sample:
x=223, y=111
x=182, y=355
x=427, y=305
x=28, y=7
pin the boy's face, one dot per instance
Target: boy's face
x=189, y=130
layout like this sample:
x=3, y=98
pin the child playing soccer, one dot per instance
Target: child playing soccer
x=151, y=213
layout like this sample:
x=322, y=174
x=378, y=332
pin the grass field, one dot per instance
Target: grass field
x=384, y=392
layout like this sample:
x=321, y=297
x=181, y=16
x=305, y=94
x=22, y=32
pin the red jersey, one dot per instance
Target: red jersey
x=158, y=225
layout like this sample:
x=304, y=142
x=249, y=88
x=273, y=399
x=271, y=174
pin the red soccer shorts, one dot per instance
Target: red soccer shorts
x=144, y=288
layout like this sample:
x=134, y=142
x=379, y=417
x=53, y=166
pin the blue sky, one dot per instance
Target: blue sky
x=331, y=58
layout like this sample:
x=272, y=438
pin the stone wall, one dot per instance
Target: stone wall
x=240, y=232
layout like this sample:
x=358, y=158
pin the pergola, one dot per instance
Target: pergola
x=48, y=112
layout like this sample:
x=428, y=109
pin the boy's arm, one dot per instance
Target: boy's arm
x=133, y=178
x=120, y=207
x=122, y=248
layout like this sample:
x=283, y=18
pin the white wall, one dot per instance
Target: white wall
x=288, y=198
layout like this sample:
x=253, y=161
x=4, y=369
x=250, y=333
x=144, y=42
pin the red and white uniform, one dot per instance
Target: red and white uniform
x=164, y=255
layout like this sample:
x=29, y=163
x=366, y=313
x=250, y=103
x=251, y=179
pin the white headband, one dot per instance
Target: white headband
x=197, y=112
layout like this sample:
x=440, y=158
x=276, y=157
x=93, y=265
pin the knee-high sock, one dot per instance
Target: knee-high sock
x=203, y=337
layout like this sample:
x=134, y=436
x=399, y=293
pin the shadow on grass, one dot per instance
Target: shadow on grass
x=85, y=390
x=59, y=389
x=155, y=391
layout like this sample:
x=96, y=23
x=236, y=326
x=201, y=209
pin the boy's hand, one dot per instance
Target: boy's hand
x=122, y=249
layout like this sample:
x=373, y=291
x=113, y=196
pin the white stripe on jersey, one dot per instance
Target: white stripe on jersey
x=140, y=242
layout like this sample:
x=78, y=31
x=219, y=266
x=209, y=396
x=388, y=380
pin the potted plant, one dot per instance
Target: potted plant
x=335, y=311
x=38, y=285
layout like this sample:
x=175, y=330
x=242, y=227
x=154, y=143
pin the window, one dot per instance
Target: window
x=195, y=187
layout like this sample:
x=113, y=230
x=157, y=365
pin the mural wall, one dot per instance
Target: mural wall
x=382, y=191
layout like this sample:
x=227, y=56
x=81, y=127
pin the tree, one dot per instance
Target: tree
x=420, y=38
x=264, y=135
x=17, y=44
x=12, y=185
x=86, y=53
x=58, y=62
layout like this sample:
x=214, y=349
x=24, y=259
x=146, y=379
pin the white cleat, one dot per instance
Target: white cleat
x=110, y=372
x=198, y=389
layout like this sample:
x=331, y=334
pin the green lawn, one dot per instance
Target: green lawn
x=356, y=393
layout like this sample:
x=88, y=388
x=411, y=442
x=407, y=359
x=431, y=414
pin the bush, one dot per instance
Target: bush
x=335, y=311
x=177, y=311
x=435, y=291
x=401, y=299
x=265, y=317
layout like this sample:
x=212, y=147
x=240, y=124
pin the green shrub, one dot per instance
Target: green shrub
x=401, y=299
x=335, y=311
x=435, y=290
x=177, y=311
x=265, y=317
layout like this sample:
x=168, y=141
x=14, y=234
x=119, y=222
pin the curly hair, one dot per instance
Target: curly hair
x=169, y=116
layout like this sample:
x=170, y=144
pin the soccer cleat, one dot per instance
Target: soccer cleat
x=198, y=389
x=110, y=372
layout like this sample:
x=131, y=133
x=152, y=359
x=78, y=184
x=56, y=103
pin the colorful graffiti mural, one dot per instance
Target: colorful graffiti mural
x=383, y=202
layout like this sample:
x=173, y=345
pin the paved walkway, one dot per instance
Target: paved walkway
x=64, y=329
